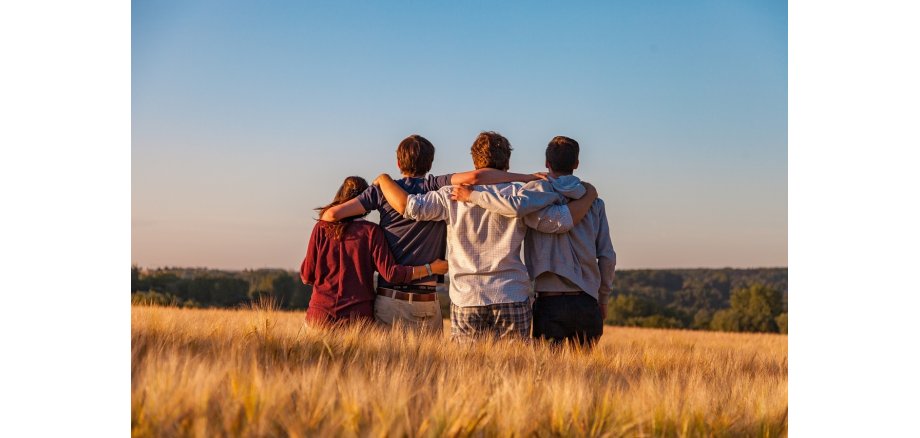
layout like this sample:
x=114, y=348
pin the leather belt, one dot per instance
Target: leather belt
x=406, y=296
x=557, y=294
x=412, y=287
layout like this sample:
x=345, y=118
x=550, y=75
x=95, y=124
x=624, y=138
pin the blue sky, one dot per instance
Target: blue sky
x=246, y=115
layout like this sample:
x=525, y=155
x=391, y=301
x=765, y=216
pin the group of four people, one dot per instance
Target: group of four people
x=478, y=221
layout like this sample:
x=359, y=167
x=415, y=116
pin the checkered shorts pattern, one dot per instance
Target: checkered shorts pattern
x=505, y=320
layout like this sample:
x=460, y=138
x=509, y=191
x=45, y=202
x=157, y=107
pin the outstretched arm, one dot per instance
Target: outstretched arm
x=517, y=204
x=487, y=175
x=394, y=194
x=350, y=208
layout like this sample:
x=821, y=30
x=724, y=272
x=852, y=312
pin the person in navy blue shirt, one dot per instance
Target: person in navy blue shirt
x=414, y=243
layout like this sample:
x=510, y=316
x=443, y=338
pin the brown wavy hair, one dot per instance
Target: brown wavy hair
x=491, y=149
x=350, y=189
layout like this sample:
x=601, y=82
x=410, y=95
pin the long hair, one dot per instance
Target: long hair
x=350, y=188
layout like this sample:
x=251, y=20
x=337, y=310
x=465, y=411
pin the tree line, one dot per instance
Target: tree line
x=199, y=287
x=740, y=300
x=744, y=300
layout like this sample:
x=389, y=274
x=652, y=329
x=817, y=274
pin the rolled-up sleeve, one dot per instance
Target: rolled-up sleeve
x=431, y=206
x=520, y=203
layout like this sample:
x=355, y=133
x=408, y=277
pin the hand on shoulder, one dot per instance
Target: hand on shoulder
x=382, y=176
x=461, y=192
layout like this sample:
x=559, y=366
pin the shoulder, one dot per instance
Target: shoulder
x=320, y=231
x=598, y=204
x=370, y=197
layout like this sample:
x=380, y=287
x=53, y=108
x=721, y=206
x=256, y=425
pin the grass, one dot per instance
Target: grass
x=261, y=372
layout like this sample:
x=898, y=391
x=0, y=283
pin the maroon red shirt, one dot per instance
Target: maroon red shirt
x=342, y=271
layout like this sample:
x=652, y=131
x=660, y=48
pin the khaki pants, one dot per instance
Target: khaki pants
x=422, y=315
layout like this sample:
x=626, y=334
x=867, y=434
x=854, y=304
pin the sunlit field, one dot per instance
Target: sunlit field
x=263, y=373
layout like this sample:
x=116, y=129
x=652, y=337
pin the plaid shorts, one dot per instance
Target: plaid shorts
x=511, y=320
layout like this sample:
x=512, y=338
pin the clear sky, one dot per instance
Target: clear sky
x=247, y=115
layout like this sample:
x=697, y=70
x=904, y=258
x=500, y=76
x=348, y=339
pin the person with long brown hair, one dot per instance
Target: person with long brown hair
x=342, y=258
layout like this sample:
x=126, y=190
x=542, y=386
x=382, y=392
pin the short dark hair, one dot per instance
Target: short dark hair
x=562, y=154
x=415, y=155
x=491, y=149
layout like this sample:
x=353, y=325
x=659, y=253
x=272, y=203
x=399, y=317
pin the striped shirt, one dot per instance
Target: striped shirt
x=484, y=248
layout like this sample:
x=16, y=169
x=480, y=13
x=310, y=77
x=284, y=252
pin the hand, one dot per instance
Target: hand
x=380, y=177
x=328, y=216
x=541, y=175
x=461, y=193
x=439, y=267
x=603, y=307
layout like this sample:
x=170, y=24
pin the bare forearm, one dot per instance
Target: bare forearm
x=350, y=208
x=579, y=208
x=394, y=194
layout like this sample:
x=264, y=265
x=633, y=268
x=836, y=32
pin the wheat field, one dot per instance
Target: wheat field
x=261, y=372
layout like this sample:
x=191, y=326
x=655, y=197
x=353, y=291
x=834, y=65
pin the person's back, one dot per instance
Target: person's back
x=485, y=247
x=568, y=261
x=341, y=270
x=412, y=242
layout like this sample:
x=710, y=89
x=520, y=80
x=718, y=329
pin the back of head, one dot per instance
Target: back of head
x=414, y=155
x=350, y=189
x=562, y=155
x=491, y=149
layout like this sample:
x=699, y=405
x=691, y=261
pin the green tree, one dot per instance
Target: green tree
x=726, y=320
x=702, y=319
x=753, y=309
x=283, y=289
x=135, y=277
